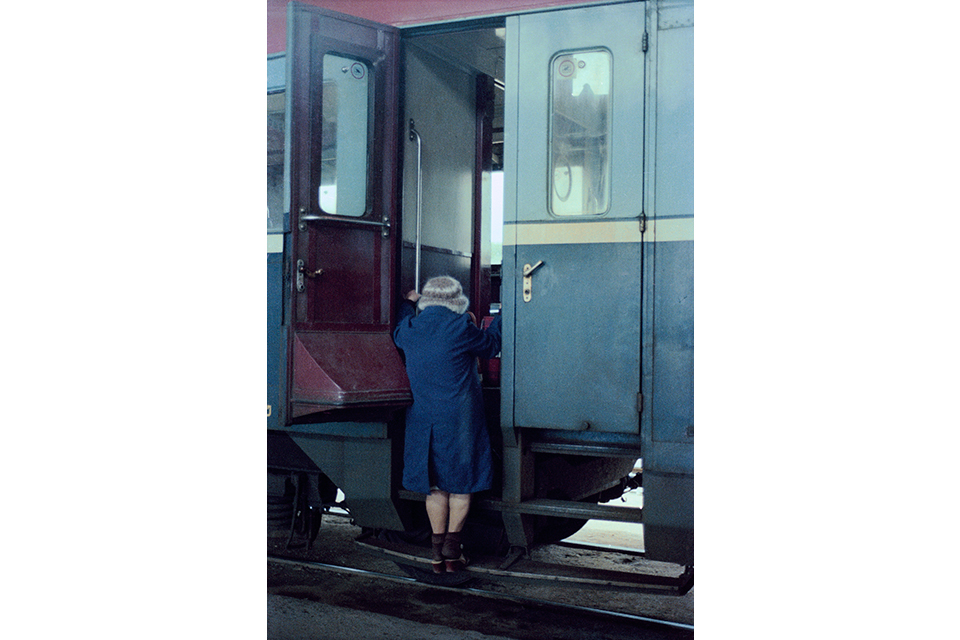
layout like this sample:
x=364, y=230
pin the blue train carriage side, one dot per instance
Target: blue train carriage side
x=387, y=146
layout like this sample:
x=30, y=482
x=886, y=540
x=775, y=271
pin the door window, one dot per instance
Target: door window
x=275, y=136
x=579, y=166
x=343, y=162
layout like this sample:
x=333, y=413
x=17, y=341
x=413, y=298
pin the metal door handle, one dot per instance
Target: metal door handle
x=302, y=268
x=528, y=271
x=313, y=217
x=302, y=271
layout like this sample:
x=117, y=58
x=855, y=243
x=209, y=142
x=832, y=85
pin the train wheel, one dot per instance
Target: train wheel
x=292, y=505
x=280, y=502
x=550, y=529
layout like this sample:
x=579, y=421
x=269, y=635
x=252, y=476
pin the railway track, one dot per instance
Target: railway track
x=533, y=614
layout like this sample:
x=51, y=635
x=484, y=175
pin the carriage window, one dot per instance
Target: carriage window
x=579, y=151
x=343, y=165
x=275, y=132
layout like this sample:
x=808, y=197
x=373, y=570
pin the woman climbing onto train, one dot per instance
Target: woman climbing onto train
x=447, y=448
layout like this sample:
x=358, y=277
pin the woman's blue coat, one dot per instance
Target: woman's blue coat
x=447, y=444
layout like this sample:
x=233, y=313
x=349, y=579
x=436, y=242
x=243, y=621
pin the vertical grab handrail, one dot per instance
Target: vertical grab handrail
x=415, y=136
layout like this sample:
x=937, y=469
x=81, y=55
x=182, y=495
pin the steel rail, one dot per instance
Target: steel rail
x=483, y=593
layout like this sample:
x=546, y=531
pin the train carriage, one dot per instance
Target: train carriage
x=542, y=154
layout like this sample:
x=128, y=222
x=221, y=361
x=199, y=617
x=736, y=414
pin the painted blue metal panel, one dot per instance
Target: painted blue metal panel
x=364, y=469
x=672, y=398
x=668, y=360
x=668, y=516
x=674, y=184
x=276, y=329
x=276, y=340
x=669, y=269
x=375, y=430
x=578, y=339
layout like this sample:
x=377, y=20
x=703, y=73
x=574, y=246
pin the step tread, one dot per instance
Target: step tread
x=674, y=579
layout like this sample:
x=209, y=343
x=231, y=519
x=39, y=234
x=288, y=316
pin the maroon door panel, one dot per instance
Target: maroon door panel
x=343, y=93
x=342, y=278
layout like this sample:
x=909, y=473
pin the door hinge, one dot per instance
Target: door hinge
x=643, y=222
x=639, y=403
x=646, y=42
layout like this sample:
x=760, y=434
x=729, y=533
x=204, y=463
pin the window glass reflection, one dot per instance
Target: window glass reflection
x=343, y=162
x=275, y=133
x=579, y=169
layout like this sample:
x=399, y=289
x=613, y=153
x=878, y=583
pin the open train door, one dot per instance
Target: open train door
x=343, y=100
x=585, y=273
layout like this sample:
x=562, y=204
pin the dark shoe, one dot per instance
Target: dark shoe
x=438, y=565
x=452, y=548
x=454, y=566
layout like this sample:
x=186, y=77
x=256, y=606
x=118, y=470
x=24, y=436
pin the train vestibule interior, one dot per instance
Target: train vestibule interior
x=452, y=108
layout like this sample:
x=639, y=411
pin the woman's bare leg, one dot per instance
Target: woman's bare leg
x=452, y=549
x=459, y=507
x=438, y=510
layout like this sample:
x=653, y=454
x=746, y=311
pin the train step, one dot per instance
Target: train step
x=673, y=581
x=567, y=509
x=555, y=508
